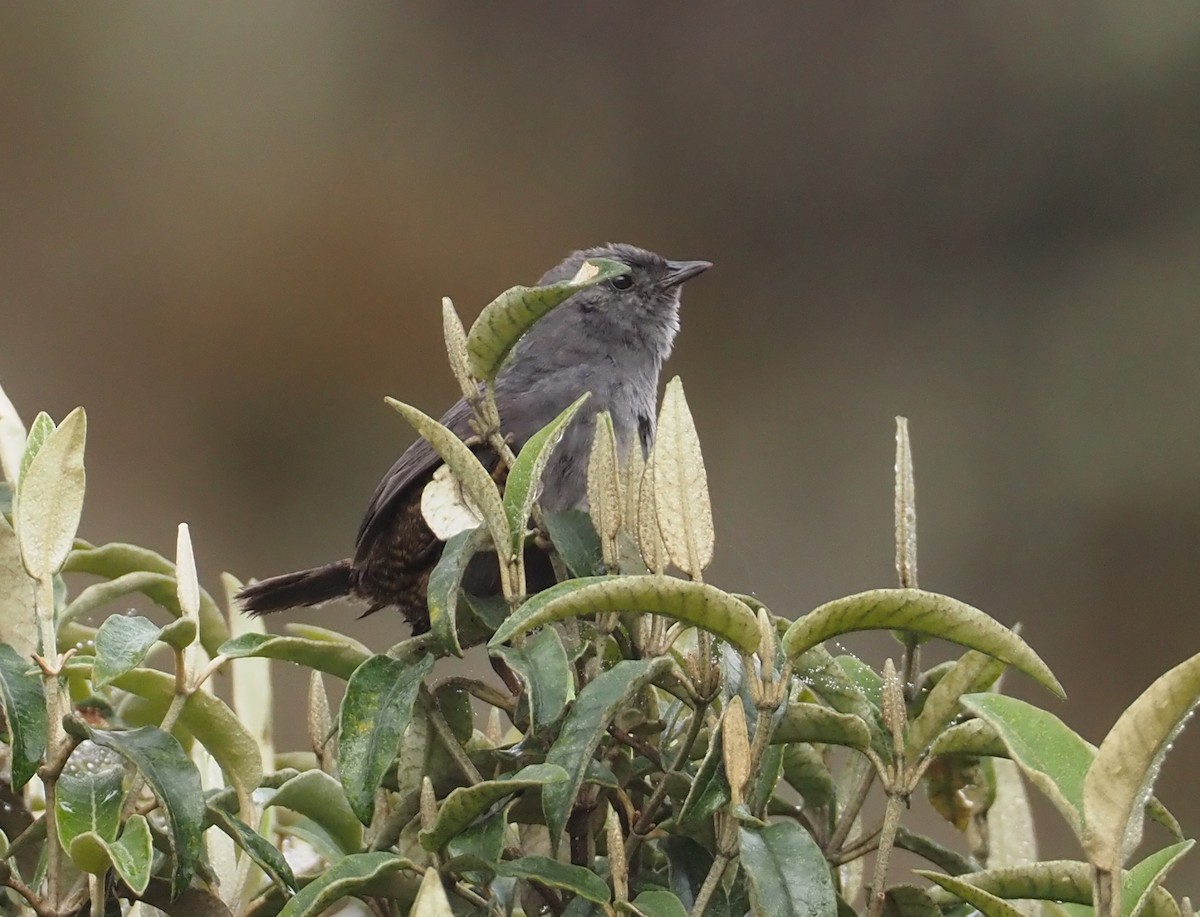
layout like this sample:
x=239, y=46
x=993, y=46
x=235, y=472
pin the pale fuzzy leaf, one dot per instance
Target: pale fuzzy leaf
x=1012, y=840
x=906, y=509
x=1128, y=761
x=681, y=498
x=50, y=498
x=736, y=749
x=456, y=349
x=12, y=439
x=320, y=721
x=445, y=508
x=185, y=574
x=649, y=536
x=252, y=690
x=18, y=596
x=222, y=855
x=431, y=900
x=604, y=486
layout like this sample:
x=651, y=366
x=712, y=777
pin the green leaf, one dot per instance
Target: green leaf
x=1129, y=759
x=18, y=596
x=338, y=659
x=24, y=712
x=583, y=729
x=260, y=850
x=445, y=583
x=787, y=872
x=476, y=481
x=115, y=560
x=574, y=879
x=316, y=795
x=350, y=876
x=927, y=614
x=698, y=604
x=89, y=801
x=467, y=803
x=986, y=903
x=541, y=664
x=803, y=722
x=206, y=717
x=50, y=498
x=121, y=645
x=375, y=712
x=484, y=840
x=159, y=587
x=1139, y=882
x=973, y=672
x=576, y=541
x=132, y=854
x=709, y=789
x=974, y=737
x=524, y=479
x=805, y=769
x=659, y=903
x=506, y=318
x=175, y=782
x=909, y=901
x=681, y=500
x=39, y=431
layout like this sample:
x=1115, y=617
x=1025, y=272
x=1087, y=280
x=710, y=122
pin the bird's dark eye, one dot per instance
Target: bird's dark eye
x=622, y=282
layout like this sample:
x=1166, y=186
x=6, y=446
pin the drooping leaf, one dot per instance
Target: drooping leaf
x=338, y=659
x=50, y=498
x=1120, y=779
x=318, y=796
x=349, y=876
x=681, y=498
x=787, y=872
x=709, y=789
x=698, y=604
x=375, y=712
x=121, y=645
x=18, y=596
x=541, y=664
x=973, y=672
x=924, y=613
x=574, y=879
x=445, y=583
x=983, y=901
x=583, y=729
x=260, y=850
x=506, y=318
x=467, y=803
x=25, y=713
x=805, y=769
x=476, y=480
x=974, y=737
x=804, y=722
x=525, y=478
x=116, y=560
x=576, y=541
x=175, y=782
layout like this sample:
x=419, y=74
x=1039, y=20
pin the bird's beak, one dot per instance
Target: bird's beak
x=679, y=271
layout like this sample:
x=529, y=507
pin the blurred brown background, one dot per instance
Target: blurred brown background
x=224, y=228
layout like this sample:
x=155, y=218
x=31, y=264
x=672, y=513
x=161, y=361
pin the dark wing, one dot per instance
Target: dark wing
x=411, y=470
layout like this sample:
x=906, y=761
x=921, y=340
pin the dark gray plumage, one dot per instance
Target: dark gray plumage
x=610, y=339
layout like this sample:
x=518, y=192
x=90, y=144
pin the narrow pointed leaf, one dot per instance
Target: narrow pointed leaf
x=576, y=541
x=574, y=879
x=927, y=614
x=431, y=900
x=121, y=645
x=39, y=431
x=24, y=712
x=18, y=596
x=506, y=318
x=681, y=498
x=787, y=872
x=115, y=560
x=647, y=532
x=476, y=481
x=375, y=712
x=12, y=439
x=583, y=729
x=693, y=603
x=1128, y=761
x=50, y=498
x=175, y=782
x=318, y=796
x=468, y=803
x=1012, y=840
x=260, y=850
x=541, y=664
x=524, y=479
x=972, y=673
x=604, y=483
x=350, y=876
x=1140, y=882
x=985, y=902
x=456, y=349
x=445, y=583
x=339, y=659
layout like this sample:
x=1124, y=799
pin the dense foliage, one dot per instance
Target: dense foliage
x=652, y=744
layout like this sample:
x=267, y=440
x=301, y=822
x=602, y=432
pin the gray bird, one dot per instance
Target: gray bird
x=610, y=339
